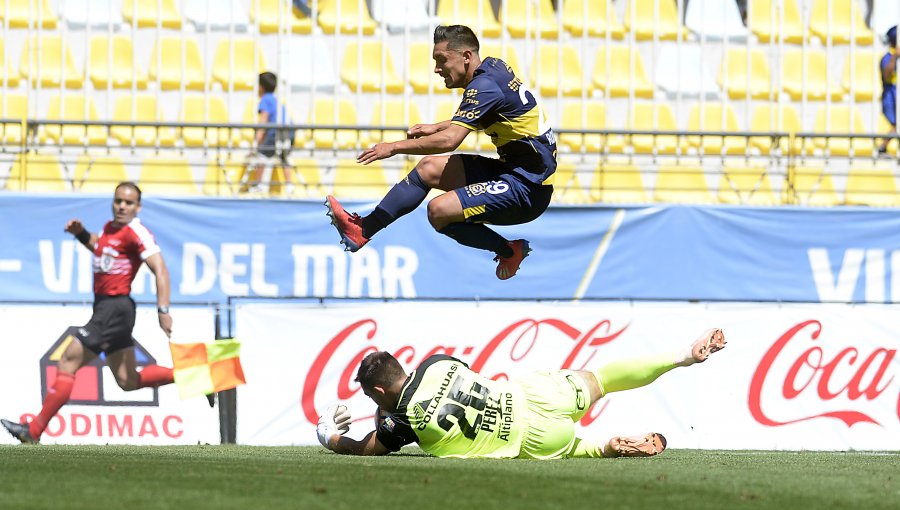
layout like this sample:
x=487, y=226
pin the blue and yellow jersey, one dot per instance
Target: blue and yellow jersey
x=451, y=411
x=497, y=102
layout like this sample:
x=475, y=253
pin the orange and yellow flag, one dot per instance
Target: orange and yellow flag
x=204, y=368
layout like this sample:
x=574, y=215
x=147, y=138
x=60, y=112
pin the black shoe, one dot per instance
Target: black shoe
x=18, y=430
x=211, y=398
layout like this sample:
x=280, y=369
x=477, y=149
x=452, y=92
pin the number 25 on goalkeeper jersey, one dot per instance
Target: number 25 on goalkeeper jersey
x=451, y=411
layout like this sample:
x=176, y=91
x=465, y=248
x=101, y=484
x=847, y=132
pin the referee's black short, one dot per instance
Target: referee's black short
x=110, y=327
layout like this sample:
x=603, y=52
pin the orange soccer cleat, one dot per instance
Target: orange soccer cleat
x=508, y=266
x=348, y=225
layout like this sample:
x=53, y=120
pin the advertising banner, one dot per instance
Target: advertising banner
x=216, y=248
x=99, y=412
x=816, y=377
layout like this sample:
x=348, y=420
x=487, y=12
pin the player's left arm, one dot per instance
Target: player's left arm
x=369, y=445
x=157, y=264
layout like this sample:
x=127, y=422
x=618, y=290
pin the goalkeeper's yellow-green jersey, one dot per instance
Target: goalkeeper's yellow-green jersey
x=451, y=411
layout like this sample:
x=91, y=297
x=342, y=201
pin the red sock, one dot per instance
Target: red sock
x=155, y=375
x=57, y=396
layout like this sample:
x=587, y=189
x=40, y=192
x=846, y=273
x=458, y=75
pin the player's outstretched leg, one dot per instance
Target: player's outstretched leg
x=508, y=266
x=647, y=445
x=19, y=431
x=349, y=226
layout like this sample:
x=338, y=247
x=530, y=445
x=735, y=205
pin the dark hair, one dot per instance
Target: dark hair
x=458, y=37
x=267, y=82
x=129, y=184
x=379, y=369
x=892, y=36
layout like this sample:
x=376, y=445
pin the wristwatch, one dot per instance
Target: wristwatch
x=163, y=309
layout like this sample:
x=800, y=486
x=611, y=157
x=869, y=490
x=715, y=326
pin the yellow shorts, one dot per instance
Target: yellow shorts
x=555, y=401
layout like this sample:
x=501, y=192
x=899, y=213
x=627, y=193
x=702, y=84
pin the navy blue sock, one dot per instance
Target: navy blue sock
x=477, y=235
x=405, y=196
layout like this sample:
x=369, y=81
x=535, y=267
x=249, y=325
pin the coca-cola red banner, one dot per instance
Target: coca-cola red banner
x=818, y=377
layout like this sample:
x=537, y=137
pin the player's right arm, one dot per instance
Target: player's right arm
x=88, y=239
x=420, y=130
x=369, y=445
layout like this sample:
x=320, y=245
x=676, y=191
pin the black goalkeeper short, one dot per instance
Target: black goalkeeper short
x=110, y=327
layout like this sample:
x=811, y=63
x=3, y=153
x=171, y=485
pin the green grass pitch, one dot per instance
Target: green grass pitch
x=248, y=478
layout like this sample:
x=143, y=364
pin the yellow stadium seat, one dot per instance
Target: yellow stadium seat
x=474, y=140
x=198, y=108
x=237, y=63
x=653, y=117
x=74, y=108
x=810, y=186
x=352, y=18
x=682, y=184
x=507, y=54
x=618, y=183
x=151, y=13
x=329, y=112
x=393, y=112
x=170, y=71
x=530, y=18
x=715, y=117
x=475, y=14
x=13, y=106
x=872, y=184
x=222, y=176
x=842, y=119
x=47, y=60
x=861, y=78
x=746, y=185
x=8, y=76
x=140, y=108
x=653, y=18
x=268, y=13
x=567, y=186
x=593, y=18
x=769, y=117
x=368, y=66
x=112, y=64
x=742, y=77
x=420, y=67
x=845, y=21
x=98, y=174
x=816, y=84
x=28, y=14
x=250, y=116
x=308, y=179
x=40, y=173
x=619, y=81
x=776, y=20
x=589, y=116
x=558, y=70
x=171, y=176
x=353, y=180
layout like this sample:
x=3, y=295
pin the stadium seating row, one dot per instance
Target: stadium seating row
x=837, y=21
x=576, y=116
x=368, y=66
x=609, y=182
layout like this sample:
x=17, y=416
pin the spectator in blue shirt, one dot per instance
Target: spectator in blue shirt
x=889, y=85
x=271, y=142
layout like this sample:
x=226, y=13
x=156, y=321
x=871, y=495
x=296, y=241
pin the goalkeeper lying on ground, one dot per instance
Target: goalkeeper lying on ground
x=451, y=411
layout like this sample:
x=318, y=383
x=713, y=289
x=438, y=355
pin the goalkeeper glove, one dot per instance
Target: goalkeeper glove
x=336, y=420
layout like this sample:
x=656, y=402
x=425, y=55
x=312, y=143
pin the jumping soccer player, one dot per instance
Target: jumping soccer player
x=512, y=190
x=451, y=411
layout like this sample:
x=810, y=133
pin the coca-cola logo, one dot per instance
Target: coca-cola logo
x=848, y=374
x=515, y=343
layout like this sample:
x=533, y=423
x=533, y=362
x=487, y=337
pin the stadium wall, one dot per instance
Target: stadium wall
x=806, y=297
